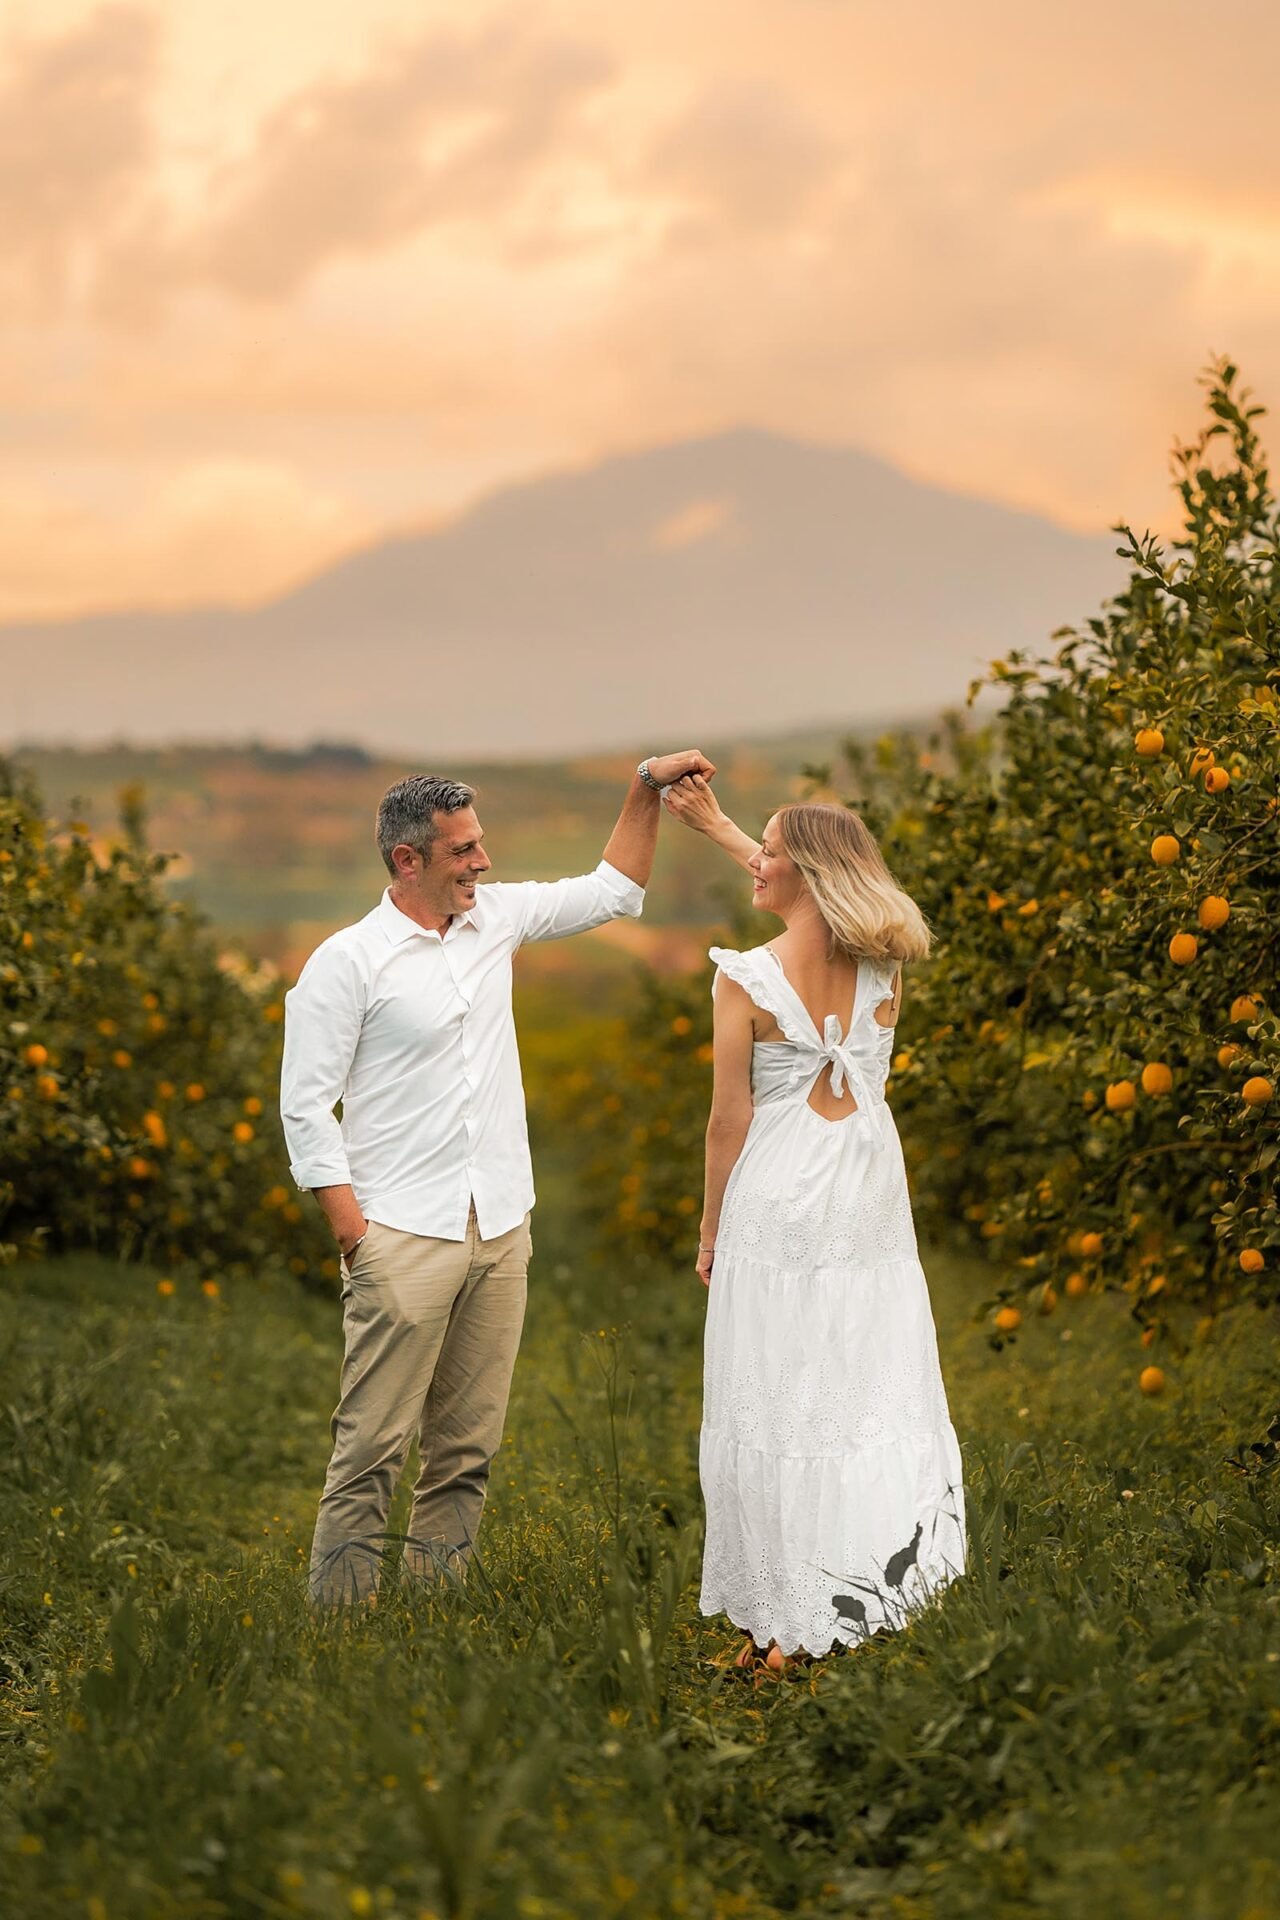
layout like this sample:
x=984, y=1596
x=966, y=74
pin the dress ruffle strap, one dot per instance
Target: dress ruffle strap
x=767, y=987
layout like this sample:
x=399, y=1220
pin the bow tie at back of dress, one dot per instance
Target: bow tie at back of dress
x=849, y=1064
x=849, y=1070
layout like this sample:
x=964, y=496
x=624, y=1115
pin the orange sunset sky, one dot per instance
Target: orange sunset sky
x=282, y=276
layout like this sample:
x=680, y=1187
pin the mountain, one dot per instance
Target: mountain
x=722, y=586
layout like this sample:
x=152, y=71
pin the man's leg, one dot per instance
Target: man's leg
x=396, y=1307
x=462, y=1420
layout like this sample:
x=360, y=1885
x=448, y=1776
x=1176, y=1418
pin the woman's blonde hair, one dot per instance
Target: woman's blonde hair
x=865, y=909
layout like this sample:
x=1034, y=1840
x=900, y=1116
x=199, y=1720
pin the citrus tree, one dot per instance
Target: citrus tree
x=1087, y=1065
x=138, y=1065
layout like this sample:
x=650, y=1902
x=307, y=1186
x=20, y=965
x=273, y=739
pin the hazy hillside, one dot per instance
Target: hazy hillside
x=721, y=587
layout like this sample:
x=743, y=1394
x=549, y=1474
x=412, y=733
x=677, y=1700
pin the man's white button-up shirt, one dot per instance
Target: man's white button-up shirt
x=413, y=1032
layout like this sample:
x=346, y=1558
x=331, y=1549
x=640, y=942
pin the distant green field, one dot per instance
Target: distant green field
x=278, y=847
x=1088, y=1723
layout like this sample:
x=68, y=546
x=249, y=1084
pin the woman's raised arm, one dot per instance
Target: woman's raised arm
x=694, y=805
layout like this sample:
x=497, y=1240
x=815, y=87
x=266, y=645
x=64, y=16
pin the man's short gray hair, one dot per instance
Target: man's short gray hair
x=407, y=812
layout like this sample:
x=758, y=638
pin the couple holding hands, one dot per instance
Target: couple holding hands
x=830, y=1468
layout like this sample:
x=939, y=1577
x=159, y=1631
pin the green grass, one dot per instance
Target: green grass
x=1088, y=1723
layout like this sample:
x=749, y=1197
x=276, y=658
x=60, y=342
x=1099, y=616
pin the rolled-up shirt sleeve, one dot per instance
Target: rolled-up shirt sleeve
x=552, y=909
x=322, y=1020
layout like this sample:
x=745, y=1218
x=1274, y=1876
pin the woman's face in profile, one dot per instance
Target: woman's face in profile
x=777, y=882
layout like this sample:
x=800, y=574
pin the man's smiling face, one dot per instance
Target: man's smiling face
x=443, y=881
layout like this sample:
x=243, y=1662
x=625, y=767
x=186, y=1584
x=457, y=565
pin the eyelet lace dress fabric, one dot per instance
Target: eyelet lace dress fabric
x=830, y=1468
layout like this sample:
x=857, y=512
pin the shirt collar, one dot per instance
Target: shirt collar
x=398, y=927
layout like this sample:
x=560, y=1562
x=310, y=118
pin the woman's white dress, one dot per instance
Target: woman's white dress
x=830, y=1467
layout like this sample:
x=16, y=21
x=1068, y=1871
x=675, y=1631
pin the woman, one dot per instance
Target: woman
x=830, y=1467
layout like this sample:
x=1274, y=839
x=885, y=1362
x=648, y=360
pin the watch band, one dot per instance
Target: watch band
x=647, y=777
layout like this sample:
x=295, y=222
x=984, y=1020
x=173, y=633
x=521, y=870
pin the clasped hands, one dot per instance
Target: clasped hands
x=667, y=768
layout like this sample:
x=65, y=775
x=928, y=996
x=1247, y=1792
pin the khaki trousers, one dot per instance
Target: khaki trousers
x=431, y=1329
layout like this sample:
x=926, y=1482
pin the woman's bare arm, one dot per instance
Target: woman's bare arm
x=731, y=1108
x=693, y=803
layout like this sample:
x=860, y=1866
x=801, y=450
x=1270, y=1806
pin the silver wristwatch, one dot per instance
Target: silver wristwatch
x=647, y=777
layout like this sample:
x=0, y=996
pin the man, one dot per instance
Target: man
x=406, y=1018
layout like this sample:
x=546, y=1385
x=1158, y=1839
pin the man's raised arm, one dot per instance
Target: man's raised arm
x=550, y=910
x=634, y=838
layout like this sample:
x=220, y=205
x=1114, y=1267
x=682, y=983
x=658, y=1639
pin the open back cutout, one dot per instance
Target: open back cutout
x=822, y=1099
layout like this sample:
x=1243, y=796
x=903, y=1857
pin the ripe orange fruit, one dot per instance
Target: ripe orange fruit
x=1157, y=1283
x=1077, y=1286
x=1151, y=1380
x=46, y=1086
x=1009, y=1319
x=242, y=1132
x=1120, y=1096
x=154, y=1128
x=1257, y=1091
x=1149, y=742
x=1048, y=1298
x=1201, y=761
x=1252, y=1260
x=195, y=1092
x=1228, y=1053
x=1091, y=1245
x=1183, y=949
x=1156, y=1078
x=1148, y=1336
x=1165, y=849
x=1088, y=1100
x=36, y=1055
x=1214, y=912
x=1246, y=1007
x=995, y=901
x=1216, y=780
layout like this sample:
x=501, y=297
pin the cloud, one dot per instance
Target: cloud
x=742, y=154
x=689, y=525
x=76, y=145
x=449, y=131
x=227, y=530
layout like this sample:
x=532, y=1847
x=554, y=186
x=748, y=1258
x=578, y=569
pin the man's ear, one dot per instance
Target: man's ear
x=404, y=860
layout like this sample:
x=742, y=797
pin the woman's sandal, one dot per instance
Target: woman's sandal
x=747, y=1663
x=758, y=1664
